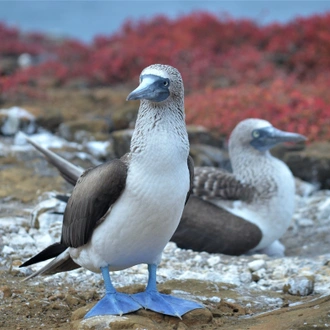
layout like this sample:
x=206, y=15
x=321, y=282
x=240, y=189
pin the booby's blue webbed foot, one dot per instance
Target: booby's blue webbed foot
x=163, y=303
x=113, y=303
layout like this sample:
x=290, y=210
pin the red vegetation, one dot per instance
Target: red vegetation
x=13, y=44
x=232, y=69
x=283, y=103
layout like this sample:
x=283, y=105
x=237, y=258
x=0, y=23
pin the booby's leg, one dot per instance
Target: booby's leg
x=113, y=303
x=163, y=303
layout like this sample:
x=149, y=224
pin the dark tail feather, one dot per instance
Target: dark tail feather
x=50, y=252
x=69, y=172
x=62, y=263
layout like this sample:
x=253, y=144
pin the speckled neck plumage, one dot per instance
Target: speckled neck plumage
x=153, y=118
x=261, y=172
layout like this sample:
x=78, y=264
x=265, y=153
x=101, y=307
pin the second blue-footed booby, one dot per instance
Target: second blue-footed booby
x=246, y=211
x=124, y=212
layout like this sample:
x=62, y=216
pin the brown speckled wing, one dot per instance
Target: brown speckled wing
x=206, y=227
x=215, y=183
x=96, y=190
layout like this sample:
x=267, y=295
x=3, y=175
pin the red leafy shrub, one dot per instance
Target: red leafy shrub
x=246, y=65
x=73, y=55
x=208, y=50
x=13, y=43
x=57, y=62
x=302, y=45
x=196, y=44
x=201, y=45
x=281, y=103
x=33, y=81
x=280, y=72
x=205, y=47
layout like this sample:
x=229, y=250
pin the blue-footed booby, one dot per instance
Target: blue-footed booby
x=246, y=211
x=124, y=212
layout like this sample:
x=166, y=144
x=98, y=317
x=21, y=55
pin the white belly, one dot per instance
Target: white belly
x=141, y=222
x=273, y=216
x=272, y=220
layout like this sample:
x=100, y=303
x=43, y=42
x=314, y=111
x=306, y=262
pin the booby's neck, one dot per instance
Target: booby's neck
x=255, y=167
x=155, y=119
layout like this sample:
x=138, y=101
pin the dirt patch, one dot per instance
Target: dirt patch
x=54, y=305
x=310, y=315
x=26, y=306
x=21, y=182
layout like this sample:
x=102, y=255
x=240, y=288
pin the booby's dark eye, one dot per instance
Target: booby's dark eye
x=255, y=134
x=165, y=82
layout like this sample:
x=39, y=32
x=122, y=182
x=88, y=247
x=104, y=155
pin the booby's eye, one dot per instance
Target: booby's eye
x=165, y=83
x=255, y=134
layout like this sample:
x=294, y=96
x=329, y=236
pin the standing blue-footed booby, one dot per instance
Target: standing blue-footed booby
x=247, y=210
x=124, y=212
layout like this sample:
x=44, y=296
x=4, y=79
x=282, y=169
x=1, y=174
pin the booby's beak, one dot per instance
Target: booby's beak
x=152, y=88
x=268, y=137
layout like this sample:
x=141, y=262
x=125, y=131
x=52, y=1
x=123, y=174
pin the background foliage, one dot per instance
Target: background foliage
x=232, y=69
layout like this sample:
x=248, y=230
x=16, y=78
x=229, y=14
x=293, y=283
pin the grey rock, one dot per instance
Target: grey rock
x=212, y=261
x=305, y=222
x=259, y=275
x=50, y=121
x=300, y=286
x=16, y=119
x=122, y=141
x=84, y=130
x=197, y=316
x=312, y=164
x=205, y=155
x=100, y=149
x=200, y=135
x=245, y=277
x=256, y=265
x=126, y=117
x=100, y=322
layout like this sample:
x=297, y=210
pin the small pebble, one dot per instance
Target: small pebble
x=256, y=265
x=304, y=222
x=7, y=250
x=212, y=261
x=245, y=277
x=300, y=286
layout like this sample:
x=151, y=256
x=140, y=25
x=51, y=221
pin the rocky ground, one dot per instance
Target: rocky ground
x=246, y=292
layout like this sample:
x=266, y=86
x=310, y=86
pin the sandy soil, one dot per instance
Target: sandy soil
x=24, y=305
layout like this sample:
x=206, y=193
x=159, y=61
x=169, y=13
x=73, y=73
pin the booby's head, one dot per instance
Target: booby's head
x=158, y=83
x=261, y=135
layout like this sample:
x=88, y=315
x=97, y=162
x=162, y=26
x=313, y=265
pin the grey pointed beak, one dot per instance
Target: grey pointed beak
x=144, y=90
x=268, y=137
x=281, y=136
x=151, y=88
